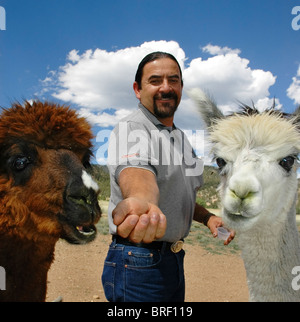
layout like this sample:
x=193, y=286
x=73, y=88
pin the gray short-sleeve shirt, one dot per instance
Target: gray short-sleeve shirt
x=140, y=140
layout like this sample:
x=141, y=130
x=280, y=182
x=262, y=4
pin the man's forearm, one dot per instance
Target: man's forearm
x=139, y=183
x=201, y=214
x=138, y=216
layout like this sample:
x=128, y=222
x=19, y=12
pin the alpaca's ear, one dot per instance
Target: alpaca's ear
x=206, y=106
x=296, y=117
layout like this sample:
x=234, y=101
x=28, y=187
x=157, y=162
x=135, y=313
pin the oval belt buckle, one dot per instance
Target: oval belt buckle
x=177, y=246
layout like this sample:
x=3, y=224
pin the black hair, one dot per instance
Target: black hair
x=152, y=57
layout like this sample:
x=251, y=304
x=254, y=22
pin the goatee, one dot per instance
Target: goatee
x=168, y=109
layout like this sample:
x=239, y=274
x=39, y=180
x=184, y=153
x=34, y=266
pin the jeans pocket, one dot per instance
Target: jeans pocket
x=108, y=280
x=142, y=258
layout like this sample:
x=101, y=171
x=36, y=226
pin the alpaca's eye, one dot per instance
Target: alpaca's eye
x=287, y=163
x=221, y=163
x=21, y=163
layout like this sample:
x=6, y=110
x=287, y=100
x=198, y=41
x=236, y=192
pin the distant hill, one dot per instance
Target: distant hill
x=207, y=196
x=101, y=175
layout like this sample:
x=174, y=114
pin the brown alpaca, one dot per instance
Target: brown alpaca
x=45, y=193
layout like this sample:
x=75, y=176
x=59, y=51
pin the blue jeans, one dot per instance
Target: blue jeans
x=134, y=274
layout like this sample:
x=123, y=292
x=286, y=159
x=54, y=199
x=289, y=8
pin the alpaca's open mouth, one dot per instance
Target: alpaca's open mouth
x=78, y=233
x=79, y=219
x=236, y=216
x=86, y=231
x=240, y=215
x=240, y=221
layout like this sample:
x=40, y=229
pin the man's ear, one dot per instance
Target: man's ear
x=137, y=90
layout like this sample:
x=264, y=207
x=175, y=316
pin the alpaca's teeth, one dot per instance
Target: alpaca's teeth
x=86, y=233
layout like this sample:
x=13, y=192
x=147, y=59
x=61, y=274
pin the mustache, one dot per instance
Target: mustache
x=166, y=96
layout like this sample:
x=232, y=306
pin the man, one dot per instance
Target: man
x=154, y=179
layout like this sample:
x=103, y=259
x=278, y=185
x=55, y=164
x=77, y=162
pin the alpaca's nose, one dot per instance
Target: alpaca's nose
x=243, y=187
x=82, y=191
x=244, y=194
x=83, y=197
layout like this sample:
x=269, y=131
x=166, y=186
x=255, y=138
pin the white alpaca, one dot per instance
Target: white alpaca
x=257, y=154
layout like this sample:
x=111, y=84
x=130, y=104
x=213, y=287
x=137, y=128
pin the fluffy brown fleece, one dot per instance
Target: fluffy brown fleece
x=43, y=150
x=45, y=124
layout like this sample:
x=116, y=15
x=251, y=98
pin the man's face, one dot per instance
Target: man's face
x=161, y=88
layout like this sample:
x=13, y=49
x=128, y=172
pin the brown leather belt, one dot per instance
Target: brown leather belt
x=175, y=247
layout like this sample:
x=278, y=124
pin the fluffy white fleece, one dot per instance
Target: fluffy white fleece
x=258, y=194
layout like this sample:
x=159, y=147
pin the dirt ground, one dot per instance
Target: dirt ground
x=75, y=274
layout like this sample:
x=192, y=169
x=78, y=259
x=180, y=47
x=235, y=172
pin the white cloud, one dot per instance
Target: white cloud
x=100, y=79
x=103, y=119
x=293, y=91
x=97, y=80
x=216, y=50
x=229, y=78
x=73, y=56
x=265, y=103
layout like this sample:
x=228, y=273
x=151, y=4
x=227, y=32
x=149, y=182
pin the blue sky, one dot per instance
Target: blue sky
x=85, y=53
